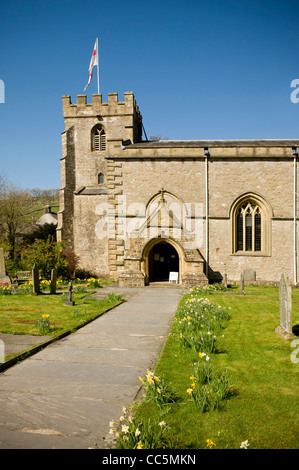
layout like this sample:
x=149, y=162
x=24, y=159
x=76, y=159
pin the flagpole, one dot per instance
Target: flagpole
x=98, y=75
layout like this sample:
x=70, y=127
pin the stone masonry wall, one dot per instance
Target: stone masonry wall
x=136, y=173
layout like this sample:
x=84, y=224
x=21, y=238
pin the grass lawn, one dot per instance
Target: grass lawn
x=19, y=314
x=264, y=405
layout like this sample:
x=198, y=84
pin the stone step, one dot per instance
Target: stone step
x=164, y=284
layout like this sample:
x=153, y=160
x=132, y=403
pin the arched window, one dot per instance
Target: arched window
x=248, y=227
x=99, y=139
x=251, y=226
x=100, y=178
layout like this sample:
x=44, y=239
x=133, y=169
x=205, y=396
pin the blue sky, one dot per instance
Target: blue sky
x=205, y=69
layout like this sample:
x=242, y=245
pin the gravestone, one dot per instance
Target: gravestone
x=249, y=274
x=53, y=281
x=69, y=301
x=285, y=308
x=225, y=275
x=3, y=278
x=242, y=283
x=35, y=280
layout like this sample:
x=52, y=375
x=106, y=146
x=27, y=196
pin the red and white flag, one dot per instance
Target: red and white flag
x=94, y=61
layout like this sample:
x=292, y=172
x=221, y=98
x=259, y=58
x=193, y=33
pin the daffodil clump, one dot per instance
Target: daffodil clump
x=7, y=289
x=215, y=287
x=207, y=389
x=43, y=325
x=199, y=322
x=129, y=433
x=93, y=283
x=45, y=285
x=157, y=389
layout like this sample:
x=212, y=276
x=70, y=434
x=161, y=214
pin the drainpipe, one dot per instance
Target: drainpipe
x=295, y=153
x=206, y=153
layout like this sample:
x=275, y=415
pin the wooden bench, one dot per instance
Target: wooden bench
x=24, y=276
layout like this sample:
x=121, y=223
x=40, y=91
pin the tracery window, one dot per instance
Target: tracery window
x=251, y=221
x=249, y=227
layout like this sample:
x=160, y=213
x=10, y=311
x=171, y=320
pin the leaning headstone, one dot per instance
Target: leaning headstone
x=249, y=274
x=242, y=283
x=69, y=301
x=225, y=275
x=285, y=307
x=3, y=278
x=53, y=281
x=35, y=280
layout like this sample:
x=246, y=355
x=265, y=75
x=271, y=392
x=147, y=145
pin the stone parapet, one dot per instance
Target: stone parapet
x=97, y=107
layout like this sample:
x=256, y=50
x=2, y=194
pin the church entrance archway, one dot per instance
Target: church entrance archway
x=163, y=258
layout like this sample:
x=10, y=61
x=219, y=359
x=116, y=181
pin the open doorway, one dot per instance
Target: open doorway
x=162, y=259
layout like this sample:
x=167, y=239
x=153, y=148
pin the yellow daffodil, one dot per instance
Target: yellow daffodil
x=139, y=445
x=210, y=443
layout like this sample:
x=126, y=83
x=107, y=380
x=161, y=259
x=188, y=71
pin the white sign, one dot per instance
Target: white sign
x=173, y=276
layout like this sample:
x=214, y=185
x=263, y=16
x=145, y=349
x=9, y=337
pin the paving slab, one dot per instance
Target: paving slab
x=65, y=395
x=15, y=344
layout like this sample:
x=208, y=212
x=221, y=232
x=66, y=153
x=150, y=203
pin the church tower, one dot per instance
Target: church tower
x=94, y=133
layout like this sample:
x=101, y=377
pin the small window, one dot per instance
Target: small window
x=99, y=139
x=100, y=178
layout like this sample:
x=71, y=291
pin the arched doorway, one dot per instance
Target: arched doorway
x=162, y=259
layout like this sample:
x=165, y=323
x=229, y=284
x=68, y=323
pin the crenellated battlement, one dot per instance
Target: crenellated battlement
x=97, y=107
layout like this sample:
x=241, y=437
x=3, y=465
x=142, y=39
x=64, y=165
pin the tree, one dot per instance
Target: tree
x=14, y=203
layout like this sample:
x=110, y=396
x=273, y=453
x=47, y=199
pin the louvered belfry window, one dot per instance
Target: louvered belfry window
x=249, y=228
x=99, y=140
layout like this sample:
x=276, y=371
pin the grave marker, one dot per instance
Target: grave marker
x=69, y=301
x=242, y=283
x=53, y=281
x=249, y=274
x=3, y=278
x=35, y=280
x=285, y=308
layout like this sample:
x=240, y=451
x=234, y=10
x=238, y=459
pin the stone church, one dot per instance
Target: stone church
x=189, y=211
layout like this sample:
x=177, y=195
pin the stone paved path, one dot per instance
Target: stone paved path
x=66, y=395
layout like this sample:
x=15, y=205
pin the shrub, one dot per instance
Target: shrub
x=46, y=254
x=72, y=262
